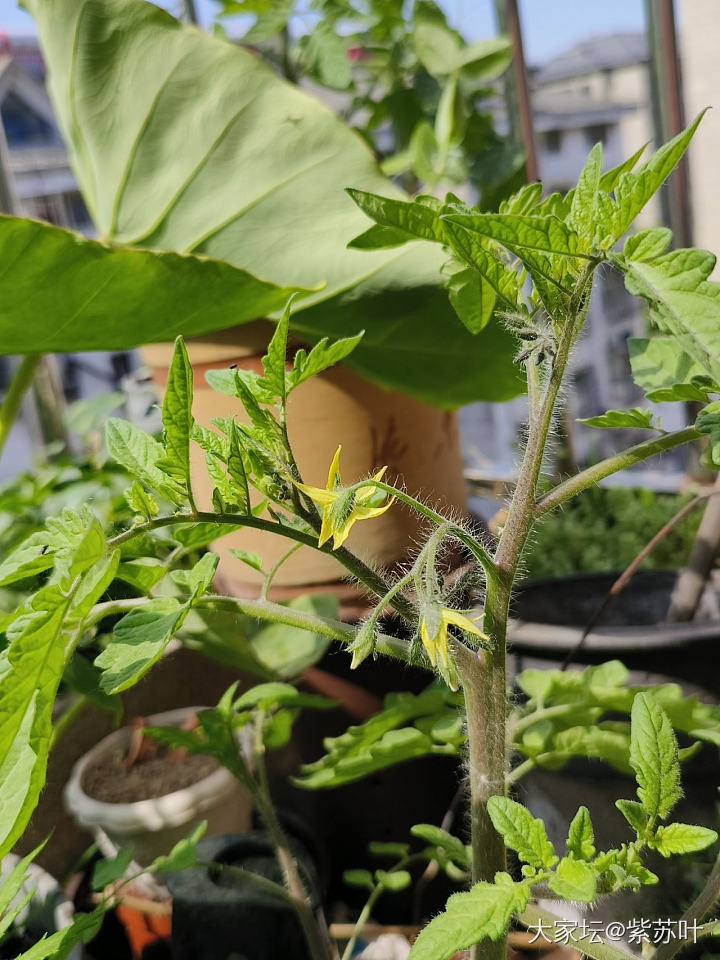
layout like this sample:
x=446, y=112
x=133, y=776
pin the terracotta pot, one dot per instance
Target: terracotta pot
x=419, y=444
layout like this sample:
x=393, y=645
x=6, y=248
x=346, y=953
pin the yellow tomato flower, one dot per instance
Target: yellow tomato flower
x=434, y=624
x=342, y=507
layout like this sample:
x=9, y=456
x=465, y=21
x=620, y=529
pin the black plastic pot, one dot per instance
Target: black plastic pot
x=215, y=915
x=549, y=617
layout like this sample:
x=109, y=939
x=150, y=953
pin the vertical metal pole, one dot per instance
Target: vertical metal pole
x=669, y=113
x=190, y=11
x=517, y=90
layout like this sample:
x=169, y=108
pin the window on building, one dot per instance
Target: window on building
x=23, y=126
x=553, y=140
x=597, y=133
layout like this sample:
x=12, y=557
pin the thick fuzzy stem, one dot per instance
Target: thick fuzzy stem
x=483, y=678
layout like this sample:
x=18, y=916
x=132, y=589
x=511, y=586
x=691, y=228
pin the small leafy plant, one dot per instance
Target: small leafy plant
x=533, y=263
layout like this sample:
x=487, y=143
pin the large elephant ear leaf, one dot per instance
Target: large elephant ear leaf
x=75, y=293
x=182, y=141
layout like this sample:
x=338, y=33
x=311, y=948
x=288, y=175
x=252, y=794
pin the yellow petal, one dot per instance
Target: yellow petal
x=465, y=623
x=367, y=513
x=326, y=530
x=333, y=479
x=316, y=494
x=428, y=642
x=341, y=535
x=365, y=493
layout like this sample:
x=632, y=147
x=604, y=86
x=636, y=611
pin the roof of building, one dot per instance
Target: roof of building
x=602, y=52
x=560, y=111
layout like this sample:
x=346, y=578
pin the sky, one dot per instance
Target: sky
x=549, y=26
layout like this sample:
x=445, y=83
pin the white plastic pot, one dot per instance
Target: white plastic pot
x=48, y=910
x=152, y=827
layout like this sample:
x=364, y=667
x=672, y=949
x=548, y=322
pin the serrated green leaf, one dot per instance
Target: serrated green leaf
x=682, y=302
x=198, y=578
x=708, y=419
x=274, y=360
x=648, y=244
x=595, y=742
x=28, y=560
x=574, y=880
x=253, y=560
x=178, y=419
x=323, y=355
x=665, y=372
x=378, y=237
x=483, y=912
x=634, y=190
x=31, y=667
x=84, y=928
x=93, y=584
x=139, y=640
x=141, y=574
x=580, y=842
x=275, y=696
x=236, y=470
x=610, y=179
x=635, y=814
x=451, y=846
x=380, y=742
x=681, y=838
x=12, y=882
x=414, y=220
x=472, y=297
x=654, y=757
x=522, y=832
x=584, y=200
x=547, y=234
x=469, y=248
x=196, y=535
x=140, y=454
x=142, y=502
x=636, y=419
x=184, y=854
x=108, y=870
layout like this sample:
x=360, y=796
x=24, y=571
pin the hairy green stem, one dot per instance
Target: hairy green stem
x=393, y=647
x=267, y=582
x=361, y=571
x=605, y=468
x=474, y=546
x=484, y=676
x=19, y=385
x=319, y=945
